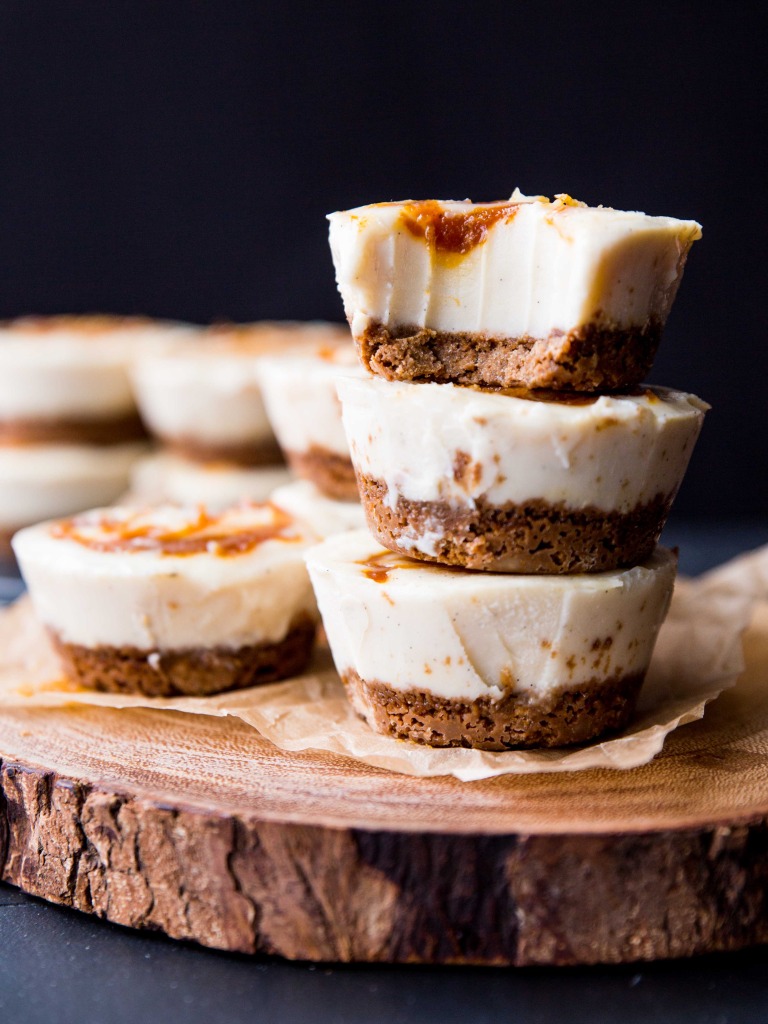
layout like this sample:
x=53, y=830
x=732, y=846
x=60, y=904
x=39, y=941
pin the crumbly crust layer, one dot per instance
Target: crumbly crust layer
x=331, y=473
x=192, y=672
x=590, y=358
x=7, y=556
x=573, y=715
x=259, y=453
x=102, y=432
x=535, y=537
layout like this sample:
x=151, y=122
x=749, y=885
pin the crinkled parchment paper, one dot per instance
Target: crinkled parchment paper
x=697, y=656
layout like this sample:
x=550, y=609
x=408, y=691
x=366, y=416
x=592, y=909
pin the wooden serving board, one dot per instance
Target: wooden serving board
x=197, y=827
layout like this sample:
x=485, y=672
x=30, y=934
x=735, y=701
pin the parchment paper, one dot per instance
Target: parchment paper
x=697, y=656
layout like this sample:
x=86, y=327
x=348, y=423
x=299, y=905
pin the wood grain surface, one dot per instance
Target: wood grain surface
x=197, y=827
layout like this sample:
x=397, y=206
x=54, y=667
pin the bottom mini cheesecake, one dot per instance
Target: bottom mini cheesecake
x=449, y=657
x=173, y=600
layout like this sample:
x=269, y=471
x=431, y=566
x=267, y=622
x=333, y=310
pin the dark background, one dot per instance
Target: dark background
x=177, y=159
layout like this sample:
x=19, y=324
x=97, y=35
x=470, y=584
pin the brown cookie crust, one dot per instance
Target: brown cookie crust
x=102, y=432
x=573, y=715
x=192, y=672
x=331, y=473
x=535, y=537
x=590, y=358
x=7, y=557
x=246, y=454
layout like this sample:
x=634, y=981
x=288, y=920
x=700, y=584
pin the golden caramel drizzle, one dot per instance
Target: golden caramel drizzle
x=378, y=567
x=205, y=533
x=454, y=232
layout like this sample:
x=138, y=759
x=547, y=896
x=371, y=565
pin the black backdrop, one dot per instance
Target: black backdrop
x=177, y=158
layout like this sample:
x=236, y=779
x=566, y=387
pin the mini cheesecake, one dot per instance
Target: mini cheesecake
x=299, y=392
x=173, y=600
x=66, y=380
x=452, y=658
x=43, y=481
x=324, y=515
x=518, y=481
x=167, y=477
x=203, y=399
x=525, y=293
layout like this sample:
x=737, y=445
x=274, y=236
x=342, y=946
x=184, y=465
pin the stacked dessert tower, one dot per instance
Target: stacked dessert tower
x=502, y=427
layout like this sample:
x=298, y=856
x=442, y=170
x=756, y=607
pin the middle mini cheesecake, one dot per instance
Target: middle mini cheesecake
x=516, y=481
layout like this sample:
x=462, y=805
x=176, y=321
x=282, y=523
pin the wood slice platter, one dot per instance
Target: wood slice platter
x=197, y=827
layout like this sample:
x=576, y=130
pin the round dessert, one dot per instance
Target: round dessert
x=518, y=481
x=167, y=477
x=173, y=600
x=451, y=658
x=65, y=379
x=300, y=395
x=324, y=515
x=42, y=481
x=203, y=398
x=524, y=292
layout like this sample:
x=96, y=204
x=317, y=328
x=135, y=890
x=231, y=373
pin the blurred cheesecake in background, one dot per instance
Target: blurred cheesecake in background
x=69, y=426
x=165, y=477
x=299, y=390
x=201, y=398
x=66, y=379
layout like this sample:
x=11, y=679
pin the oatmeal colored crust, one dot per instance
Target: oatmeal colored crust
x=194, y=672
x=332, y=474
x=555, y=720
x=590, y=358
x=101, y=432
x=536, y=537
x=246, y=454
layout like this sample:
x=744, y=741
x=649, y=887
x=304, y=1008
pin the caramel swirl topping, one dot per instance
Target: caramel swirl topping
x=454, y=232
x=176, y=531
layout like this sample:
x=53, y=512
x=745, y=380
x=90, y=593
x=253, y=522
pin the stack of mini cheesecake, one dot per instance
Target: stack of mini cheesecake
x=502, y=428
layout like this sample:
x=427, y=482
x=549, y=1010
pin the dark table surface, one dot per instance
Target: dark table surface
x=58, y=966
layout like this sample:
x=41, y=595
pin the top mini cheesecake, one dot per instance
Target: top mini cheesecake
x=524, y=293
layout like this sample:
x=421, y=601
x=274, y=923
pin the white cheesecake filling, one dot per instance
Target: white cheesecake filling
x=208, y=390
x=464, y=635
x=299, y=392
x=166, y=477
x=441, y=443
x=323, y=515
x=74, y=367
x=42, y=481
x=143, y=595
x=523, y=268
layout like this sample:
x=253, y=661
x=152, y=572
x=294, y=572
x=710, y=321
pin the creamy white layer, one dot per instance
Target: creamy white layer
x=322, y=514
x=300, y=395
x=155, y=600
x=441, y=443
x=74, y=367
x=41, y=481
x=208, y=390
x=464, y=635
x=523, y=268
x=173, y=478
